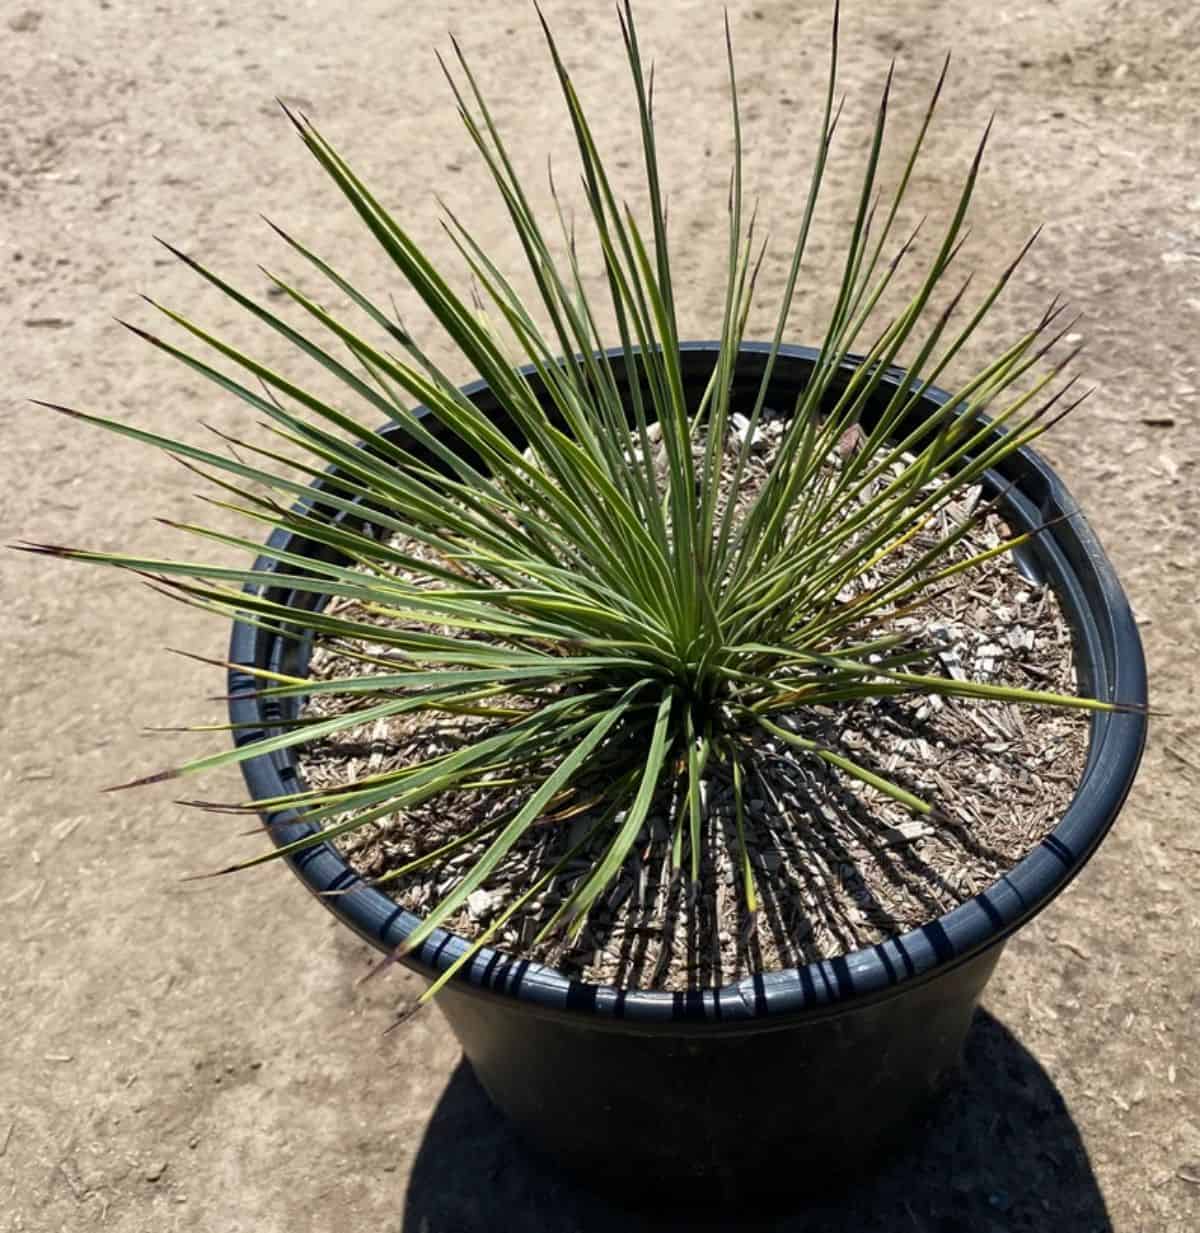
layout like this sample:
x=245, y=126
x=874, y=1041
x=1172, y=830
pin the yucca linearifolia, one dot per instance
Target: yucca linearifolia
x=610, y=604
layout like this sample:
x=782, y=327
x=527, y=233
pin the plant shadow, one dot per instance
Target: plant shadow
x=999, y=1152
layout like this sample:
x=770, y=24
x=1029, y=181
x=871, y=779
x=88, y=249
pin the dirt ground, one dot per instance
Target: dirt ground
x=198, y=1056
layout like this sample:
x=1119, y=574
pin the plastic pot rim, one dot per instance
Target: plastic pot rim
x=766, y=1000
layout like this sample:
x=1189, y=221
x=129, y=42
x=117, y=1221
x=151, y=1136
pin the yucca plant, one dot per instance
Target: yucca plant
x=580, y=577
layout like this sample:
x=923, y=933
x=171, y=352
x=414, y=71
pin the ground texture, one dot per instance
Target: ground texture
x=197, y=1056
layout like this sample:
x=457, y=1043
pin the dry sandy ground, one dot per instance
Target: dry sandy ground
x=198, y=1057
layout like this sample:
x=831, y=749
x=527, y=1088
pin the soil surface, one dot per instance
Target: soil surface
x=819, y=863
x=197, y=1056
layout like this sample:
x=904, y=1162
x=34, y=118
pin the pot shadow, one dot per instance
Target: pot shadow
x=998, y=1152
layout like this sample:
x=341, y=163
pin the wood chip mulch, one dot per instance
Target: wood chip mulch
x=837, y=865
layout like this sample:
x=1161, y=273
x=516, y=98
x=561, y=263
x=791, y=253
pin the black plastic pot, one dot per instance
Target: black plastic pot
x=784, y=1079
